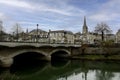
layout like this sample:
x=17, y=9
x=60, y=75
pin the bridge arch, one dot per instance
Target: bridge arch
x=57, y=50
x=27, y=51
x=59, y=54
x=28, y=57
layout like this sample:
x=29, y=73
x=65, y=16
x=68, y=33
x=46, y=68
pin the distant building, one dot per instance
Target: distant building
x=110, y=37
x=61, y=36
x=58, y=36
x=78, y=38
x=38, y=35
x=91, y=37
x=22, y=37
x=5, y=37
x=118, y=36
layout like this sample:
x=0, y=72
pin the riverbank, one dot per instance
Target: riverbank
x=97, y=57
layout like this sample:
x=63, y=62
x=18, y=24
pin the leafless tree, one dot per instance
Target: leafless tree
x=1, y=25
x=16, y=30
x=102, y=28
x=1, y=30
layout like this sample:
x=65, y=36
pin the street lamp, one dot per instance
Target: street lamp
x=13, y=36
x=1, y=35
x=17, y=33
x=37, y=33
x=49, y=36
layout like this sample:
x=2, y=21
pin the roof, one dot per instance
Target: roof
x=118, y=32
x=35, y=30
x=78, y=33
x=62, y=31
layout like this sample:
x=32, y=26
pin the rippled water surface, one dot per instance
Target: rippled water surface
x=63, y=70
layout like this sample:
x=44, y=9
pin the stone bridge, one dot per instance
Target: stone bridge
x=9, y=51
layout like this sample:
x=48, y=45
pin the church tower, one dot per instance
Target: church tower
x=85, y=28
x=85, y=31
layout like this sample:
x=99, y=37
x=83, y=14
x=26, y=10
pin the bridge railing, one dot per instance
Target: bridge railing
x=46, y=42
x=37, y=44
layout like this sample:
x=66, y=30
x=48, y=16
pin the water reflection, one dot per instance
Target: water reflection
x=64, y=70
x=103, y=75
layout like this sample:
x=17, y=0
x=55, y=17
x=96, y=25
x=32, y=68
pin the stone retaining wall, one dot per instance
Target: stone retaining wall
x=93, y=50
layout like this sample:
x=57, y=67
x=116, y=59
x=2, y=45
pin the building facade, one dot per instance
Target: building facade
x=78, y=38
x=118, y=36
x=38, y=35
x=58, y=36
x=61, y=36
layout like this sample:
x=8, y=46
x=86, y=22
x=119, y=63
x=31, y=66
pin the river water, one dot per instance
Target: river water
x=63, y=70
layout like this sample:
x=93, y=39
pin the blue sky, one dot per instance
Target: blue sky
x=59, y=14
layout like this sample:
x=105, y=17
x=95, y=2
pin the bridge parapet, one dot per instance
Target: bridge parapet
x=15, y=44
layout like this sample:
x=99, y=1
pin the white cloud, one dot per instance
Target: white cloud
x=22, y=4
x=106, y=16
x=57, y=11
x=3, y=16
x=108, y=11
x=16, y=3
x=61, y=7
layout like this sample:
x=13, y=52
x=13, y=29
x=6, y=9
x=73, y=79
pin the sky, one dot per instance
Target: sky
x=59, y=14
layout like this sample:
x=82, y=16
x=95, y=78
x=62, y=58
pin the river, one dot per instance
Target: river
x=63, y=70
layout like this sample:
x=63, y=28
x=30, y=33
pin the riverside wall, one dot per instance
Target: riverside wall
x=99, y=50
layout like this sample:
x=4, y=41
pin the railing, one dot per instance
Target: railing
x=37, y=44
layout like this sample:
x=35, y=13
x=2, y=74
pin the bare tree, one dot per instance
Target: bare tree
x=17, y=29
x=102, y=28
x=1, y=31
x=1, y=25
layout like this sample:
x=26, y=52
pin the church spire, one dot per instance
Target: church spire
x=85, y=28
x=84, y=21
x=27, y=31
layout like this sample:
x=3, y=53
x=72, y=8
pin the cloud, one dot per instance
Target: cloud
x=54, y=14
x=16, y=3
x=108, y=11
x=3, y=16
x=104, y=16
x=60, y=14
x=63, y=9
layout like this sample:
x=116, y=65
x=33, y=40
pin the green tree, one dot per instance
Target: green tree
x=102, y=28
x=107, y=45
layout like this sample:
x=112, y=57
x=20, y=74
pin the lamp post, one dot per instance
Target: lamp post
x=1, y=28
x=17, y=33
x=1, y=35
x=26, y=36
x=13, y=36
x=37, y=33
x=49, y=36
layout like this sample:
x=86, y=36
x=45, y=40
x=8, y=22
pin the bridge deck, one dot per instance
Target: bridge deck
x=14, y=44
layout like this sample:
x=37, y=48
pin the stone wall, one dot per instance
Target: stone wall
x=93, y=50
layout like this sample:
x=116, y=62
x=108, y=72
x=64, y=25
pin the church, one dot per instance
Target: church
x=92, y=37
